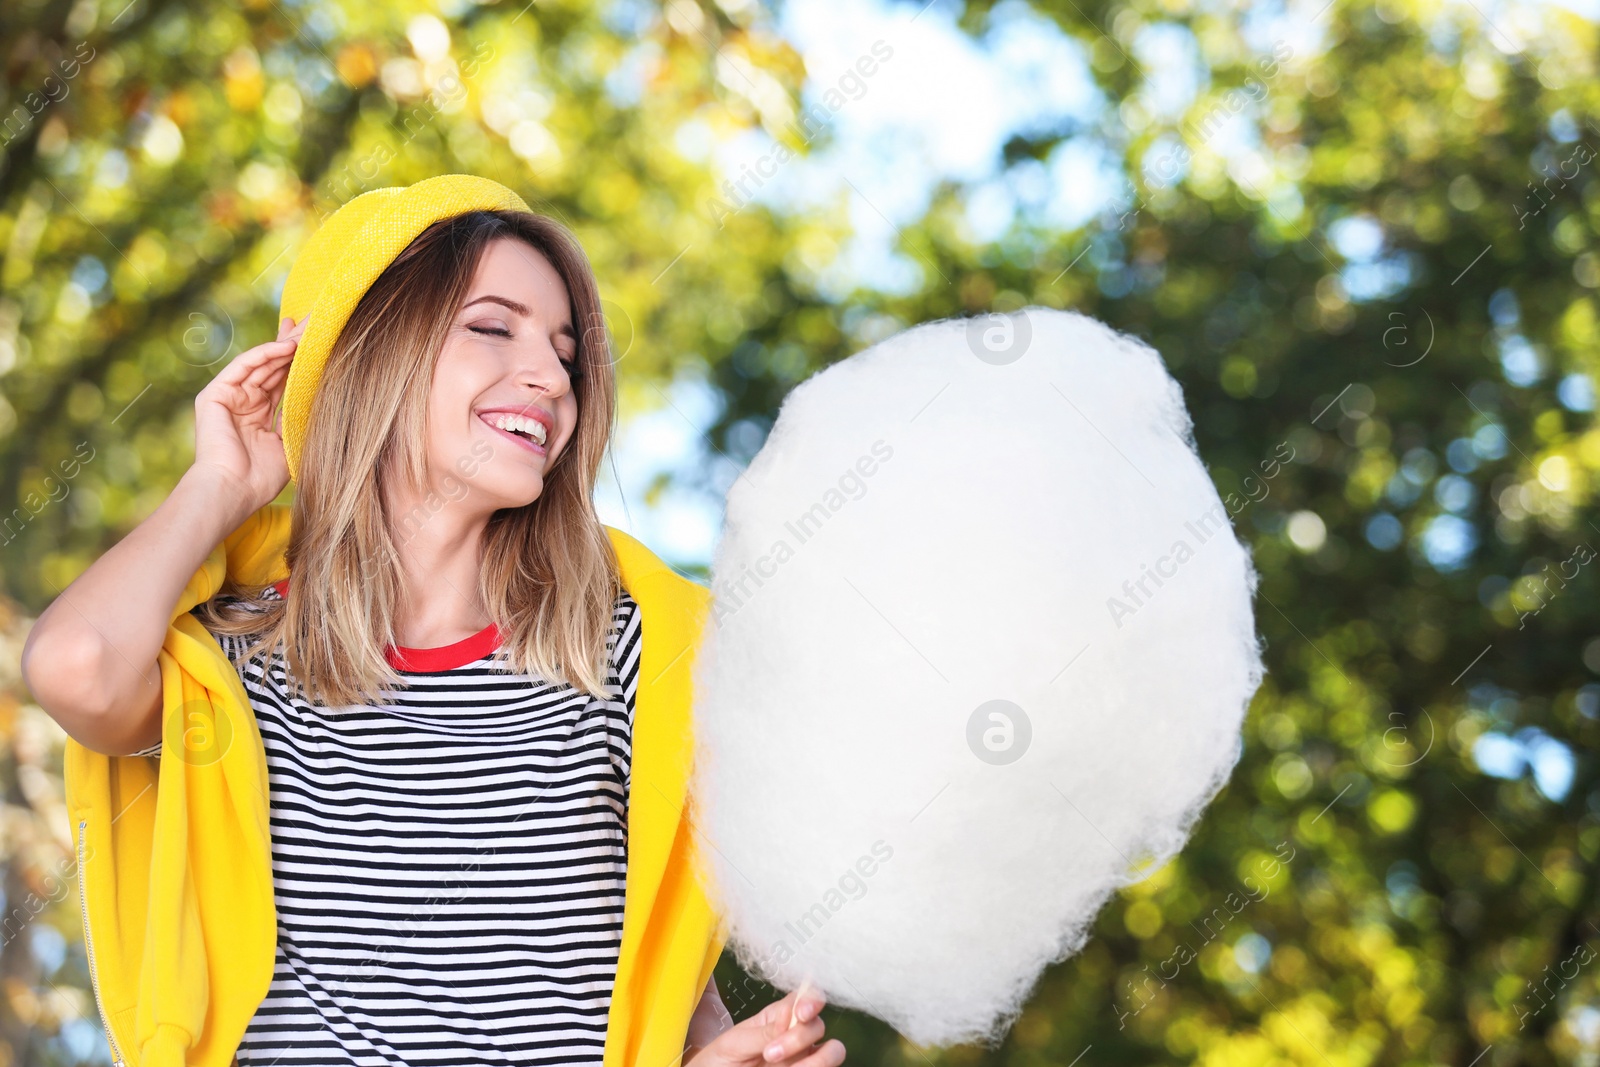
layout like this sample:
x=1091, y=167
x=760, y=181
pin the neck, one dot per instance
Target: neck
x=440, y=548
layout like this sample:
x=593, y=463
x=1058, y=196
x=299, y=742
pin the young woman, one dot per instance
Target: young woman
x=444, y=686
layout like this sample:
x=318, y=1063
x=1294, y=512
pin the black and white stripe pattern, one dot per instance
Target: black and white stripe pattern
x=449, y=866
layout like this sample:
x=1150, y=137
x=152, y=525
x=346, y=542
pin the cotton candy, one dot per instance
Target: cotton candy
x=981, y=643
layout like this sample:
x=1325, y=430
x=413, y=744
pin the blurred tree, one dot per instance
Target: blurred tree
x=1379, y=299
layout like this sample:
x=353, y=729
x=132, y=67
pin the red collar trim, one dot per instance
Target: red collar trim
x=445, y=657
x=433, y=660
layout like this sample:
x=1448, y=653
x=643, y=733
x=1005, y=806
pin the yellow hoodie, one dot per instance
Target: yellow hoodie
x=175, y=859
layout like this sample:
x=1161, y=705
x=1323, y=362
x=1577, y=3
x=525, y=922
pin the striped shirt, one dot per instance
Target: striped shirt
x=448, y=865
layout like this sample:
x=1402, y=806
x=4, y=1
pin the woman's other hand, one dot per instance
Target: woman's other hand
x=237, y=439
x=767, y=1040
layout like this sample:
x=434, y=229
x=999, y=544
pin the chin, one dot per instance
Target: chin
x=514, y=492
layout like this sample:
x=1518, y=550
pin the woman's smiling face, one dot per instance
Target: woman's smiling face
x=506, y=363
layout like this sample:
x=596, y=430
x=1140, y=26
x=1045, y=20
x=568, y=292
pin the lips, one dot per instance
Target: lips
x=524, y=442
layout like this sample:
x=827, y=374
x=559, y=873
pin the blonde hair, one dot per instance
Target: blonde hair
x=549, y=577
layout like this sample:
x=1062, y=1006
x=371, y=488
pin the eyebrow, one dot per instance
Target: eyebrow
x=520, y=309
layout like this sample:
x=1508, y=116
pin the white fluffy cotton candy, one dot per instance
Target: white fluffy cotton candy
x=981, y=647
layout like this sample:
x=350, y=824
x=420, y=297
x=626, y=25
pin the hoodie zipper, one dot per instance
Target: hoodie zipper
x=88, y=944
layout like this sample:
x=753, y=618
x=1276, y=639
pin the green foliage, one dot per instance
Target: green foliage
x=1430, y=913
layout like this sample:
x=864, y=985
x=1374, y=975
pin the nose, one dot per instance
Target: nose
x=541, y=369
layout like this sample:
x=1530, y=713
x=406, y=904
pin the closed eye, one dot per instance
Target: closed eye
x=571, y=365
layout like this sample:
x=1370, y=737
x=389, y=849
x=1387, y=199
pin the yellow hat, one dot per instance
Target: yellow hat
x=341, y=260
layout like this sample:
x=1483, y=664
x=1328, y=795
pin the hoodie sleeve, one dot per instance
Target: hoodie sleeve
x=233, y=647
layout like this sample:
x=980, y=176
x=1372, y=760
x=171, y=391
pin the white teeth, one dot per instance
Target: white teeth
x=518, y=423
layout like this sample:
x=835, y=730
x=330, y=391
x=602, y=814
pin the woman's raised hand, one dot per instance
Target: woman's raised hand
x=766, y=1039
x=237, y=438
x=92, y=658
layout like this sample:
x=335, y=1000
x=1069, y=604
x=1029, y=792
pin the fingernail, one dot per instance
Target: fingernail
x=800, y=1001
x=807, y=1009
x=773, y=1051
